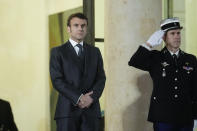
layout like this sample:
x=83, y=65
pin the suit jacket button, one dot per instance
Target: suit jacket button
x=176, y=96
x=175, y=87
x=154, y=98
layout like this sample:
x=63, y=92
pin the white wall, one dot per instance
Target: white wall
x=55, y=6
x=24, y=62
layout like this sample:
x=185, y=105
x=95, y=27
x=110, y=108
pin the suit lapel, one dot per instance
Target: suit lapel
x=70, y=51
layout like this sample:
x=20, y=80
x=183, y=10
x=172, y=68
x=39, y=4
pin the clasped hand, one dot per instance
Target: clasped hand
x=85, y=100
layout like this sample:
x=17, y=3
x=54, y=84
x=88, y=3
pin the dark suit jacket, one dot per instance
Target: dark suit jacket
x=174, y=96
x=66, y=79
x=6, y=117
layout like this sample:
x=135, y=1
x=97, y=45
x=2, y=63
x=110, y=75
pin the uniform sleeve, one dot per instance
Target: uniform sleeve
x=100, y=78
x=195, y=91
x=141, y=59
x=58, y=80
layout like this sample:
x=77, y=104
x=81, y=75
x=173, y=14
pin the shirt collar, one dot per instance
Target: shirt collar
x=74, y=43
x=176, y=53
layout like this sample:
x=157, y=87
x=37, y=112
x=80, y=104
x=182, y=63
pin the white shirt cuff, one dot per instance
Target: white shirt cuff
x=147, y=47
x=79, y=99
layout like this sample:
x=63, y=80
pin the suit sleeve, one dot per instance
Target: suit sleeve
x=141, y=59
x=195, y=91
x=100, y=78
x=58, y=80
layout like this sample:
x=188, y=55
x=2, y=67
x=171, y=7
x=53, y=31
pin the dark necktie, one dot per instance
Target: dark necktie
x=175, y=59
x=80, y=49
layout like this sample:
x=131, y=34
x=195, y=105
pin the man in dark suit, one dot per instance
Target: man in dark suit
x=77, y=73
x=6, y=117
x=173, y=105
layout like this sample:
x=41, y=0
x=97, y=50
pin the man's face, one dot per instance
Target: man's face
x=173, y=39
x=77, y=29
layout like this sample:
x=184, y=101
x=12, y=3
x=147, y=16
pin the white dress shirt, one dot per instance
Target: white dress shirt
x=74, y=44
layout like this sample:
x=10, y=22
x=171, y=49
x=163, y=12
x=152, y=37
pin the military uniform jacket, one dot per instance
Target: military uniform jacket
x=174, y=95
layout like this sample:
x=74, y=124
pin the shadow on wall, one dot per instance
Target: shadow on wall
x=137, y=113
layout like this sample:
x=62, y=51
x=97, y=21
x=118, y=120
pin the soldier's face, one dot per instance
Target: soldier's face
x=77, y=29
x=173, y=38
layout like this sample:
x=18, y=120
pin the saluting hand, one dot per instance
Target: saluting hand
x=156, y=38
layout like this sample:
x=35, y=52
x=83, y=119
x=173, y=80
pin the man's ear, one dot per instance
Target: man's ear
x=68, y=29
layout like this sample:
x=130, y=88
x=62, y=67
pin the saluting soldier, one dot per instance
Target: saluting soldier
x=173, y=105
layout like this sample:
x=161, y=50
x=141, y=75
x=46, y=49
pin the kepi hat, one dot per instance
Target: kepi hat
x=170, y=24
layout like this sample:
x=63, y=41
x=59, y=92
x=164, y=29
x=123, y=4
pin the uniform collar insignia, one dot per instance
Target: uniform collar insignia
x=164, y=64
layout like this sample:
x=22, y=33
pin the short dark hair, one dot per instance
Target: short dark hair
x=78, y=15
